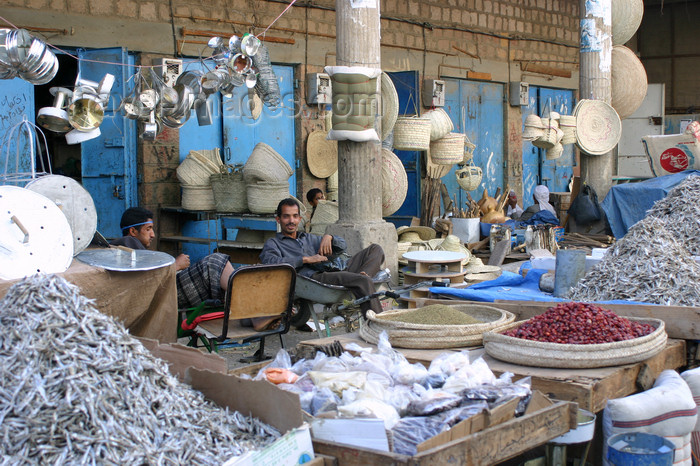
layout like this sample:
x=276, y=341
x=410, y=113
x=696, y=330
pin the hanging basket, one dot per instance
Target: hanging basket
x=229, y=192
x=264, y=196
x=550, y=136
x=412, y=133
x=440, y=123
x=197, y=198
x=448, y=150
x=265, y=164
x=468, y=150
x=469, y=178
x=394, y=183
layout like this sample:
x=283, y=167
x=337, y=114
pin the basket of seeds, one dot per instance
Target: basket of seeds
x=437, y=326
x=577, y=335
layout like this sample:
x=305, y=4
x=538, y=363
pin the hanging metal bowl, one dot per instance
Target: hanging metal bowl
x=4, y=57
x=240, y=63
x=18, y=42
x=192, y=79
x=35, y=54
x=250, y=44
x=149, y=98
x=251, y=79
x=234, y=44
x=86, y=113
x=169, y=100
x=46, y=72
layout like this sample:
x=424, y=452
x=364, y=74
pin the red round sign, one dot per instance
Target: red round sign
x=674, y=160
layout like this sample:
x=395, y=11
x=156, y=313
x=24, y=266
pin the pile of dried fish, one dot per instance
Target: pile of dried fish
x=680, y=210
x=75, y=387
x=648, y=264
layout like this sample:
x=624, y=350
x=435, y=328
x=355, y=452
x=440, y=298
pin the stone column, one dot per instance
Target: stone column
x=360, y=163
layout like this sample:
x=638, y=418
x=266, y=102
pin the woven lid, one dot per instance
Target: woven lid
x=629, y=81
x=626, y=18
x=394, y=183
x=321, y=154
x=390, y=105
x=476, y=265
x=425, y=233
x=598, y=127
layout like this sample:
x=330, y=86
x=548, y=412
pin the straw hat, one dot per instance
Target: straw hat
x=390, y=105
x=453, y=243
x=598, y=127
x=555, y=152
x=425, y=233
x=629, y=81
x=626, y=18
x=481, y=277
x=410, y=237
x=394, y=183
x=321, y=154
x=476, y=266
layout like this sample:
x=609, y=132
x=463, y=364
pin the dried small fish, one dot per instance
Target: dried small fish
x=75, y=387
x=649, y=264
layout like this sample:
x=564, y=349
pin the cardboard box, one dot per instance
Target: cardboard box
x=282, y=410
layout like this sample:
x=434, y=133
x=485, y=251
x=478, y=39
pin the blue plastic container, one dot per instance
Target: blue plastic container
x=639, y=449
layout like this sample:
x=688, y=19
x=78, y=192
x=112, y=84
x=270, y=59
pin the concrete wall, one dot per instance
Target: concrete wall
x=507, y=40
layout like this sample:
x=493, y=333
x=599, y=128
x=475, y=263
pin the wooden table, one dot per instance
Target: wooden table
x=590, y=388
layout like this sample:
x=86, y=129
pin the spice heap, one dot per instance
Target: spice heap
x=649, y=264
x=434, y=314
x=76, y=388
x=579, y=324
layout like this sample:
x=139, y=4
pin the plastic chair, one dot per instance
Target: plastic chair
x=253, y=292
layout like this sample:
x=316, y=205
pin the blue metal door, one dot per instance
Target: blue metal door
x=274, y=127
x=555, y=174
x=476, y=109
x=531, y=153
x=16, y=104
x=406, y=84
x=109, y=161
x=208, y=137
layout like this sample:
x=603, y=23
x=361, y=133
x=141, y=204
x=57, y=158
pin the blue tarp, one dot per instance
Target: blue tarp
x=626, y=204
x=512, y=287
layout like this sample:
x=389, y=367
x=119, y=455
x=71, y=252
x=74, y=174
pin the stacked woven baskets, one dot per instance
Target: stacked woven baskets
x=266, y=175
x=195, y=174
x=425, y=336
x=229, y=191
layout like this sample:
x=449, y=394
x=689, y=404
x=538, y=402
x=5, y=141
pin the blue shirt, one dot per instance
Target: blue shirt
x=285, y=250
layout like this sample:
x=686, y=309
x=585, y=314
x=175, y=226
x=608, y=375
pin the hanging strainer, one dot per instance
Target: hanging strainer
x=23, y=134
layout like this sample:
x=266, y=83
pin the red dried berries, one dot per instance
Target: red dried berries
x=579, y=324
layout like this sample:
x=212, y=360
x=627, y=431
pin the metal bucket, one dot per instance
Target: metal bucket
x=639, y=449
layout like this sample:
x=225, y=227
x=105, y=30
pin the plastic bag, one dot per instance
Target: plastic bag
x=409, y=432
x=277, y=375
x=432, y=402
x=585, y=209
x=496, y=395
x=330, y=364
x=468, y=376
x=371, y=408
x=338, y=381
x=399, y=396
x=409, y=374
x=323, y=400
x=282, y=360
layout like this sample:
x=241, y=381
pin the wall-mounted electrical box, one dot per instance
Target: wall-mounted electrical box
x=318, y=88
x=433, y=93
x=519, y=93
x=169, y=69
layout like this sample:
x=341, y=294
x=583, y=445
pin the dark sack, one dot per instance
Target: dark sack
x=585, y=209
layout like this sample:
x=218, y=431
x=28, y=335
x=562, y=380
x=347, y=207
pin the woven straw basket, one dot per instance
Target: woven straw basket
x=197, y=197
x=407, y=335
x=412, y=133
x=567, y=123
x=468, y=150
x=628, y=81
x=195, y=170
x=394, y=183
x=448, y=150
x=265, y=164
x=535, y=353
x=326, y=212
x=551, y=135
x=264, y=196
x=229, y=192
x=626, y=18
x=469, y=178
x=555, y=152
x=440, y=123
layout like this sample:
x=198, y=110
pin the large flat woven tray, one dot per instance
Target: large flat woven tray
x=425, y=336
x=541, y=354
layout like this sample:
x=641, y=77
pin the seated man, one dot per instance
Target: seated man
x=311, y=255
x=541, y=198
x=206, y=279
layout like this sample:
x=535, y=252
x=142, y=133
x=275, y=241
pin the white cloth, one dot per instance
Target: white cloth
x=542, y=198
x=517, y=211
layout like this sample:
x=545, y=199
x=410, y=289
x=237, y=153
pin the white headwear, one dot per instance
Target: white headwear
x=542, y=197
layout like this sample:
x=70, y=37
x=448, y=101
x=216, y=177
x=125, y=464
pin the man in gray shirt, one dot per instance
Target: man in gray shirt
x=321, y=257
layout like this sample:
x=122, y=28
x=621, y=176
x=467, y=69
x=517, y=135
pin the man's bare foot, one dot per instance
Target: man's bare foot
x=364, y=273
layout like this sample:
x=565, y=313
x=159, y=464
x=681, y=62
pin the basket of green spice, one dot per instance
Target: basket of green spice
x=436, y=326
